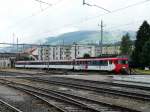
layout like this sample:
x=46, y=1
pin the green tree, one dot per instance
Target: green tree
x=86, y=55
x=126, y=45
x=145, y=59
x=143, y=35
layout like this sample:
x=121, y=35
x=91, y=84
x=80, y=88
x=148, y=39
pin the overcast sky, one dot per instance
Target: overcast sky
x=30, y=21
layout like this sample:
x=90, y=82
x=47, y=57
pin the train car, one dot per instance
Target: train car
x=61, y=64
x=102, y=64
x=93, y=64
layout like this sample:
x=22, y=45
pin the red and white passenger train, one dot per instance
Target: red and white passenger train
x=97, y=64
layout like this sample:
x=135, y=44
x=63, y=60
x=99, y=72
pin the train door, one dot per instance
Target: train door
x=111, y=65
x=86, y=65
x=104, y=65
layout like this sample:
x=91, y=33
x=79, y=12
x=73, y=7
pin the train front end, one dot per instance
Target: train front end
x=121, y=65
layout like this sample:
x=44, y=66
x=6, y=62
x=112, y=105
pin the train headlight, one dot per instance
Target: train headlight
x=124, y=67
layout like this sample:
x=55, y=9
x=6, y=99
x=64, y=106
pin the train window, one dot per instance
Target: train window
x=71, y=63
x=93, y=63
x=100, y=63
x=77, y=63
x=116, y=61
x=86, y=62
x=123, y=62
x=110, y=62
x=54, y=63
x=104, y=63
x=58, y=63
x=89, y=62
x=82, y=62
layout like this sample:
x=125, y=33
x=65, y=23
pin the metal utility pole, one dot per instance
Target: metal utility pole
x=75, y=50
x=17, y=44
x=23, y=48
x=83, y=2
x=101, y=42
x=48, y=58
x=62, y=48
x=13, y=39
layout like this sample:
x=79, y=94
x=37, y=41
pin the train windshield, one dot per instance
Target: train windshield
x=123, y=61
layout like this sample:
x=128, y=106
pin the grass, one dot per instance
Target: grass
x=144, y=72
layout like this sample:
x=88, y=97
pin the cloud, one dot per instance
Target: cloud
x=65, y=16
x=66, y=30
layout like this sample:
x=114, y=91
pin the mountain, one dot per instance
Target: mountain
x=88, y=37
x=82, y=37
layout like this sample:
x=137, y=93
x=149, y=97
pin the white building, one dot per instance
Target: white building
x=5, y=63
x=67, y=52
x=7, y=60
x=54, y=52
x=78, y=51
x=111, y=49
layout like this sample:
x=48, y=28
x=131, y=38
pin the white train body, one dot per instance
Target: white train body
x=98, y=64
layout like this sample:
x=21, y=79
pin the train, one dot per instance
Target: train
x=116, y=65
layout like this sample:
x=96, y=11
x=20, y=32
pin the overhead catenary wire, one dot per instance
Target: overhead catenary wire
x=91, y=5
x=33, y=14
x=126, y=24
x=119, y=9
x=113, y=11
x=101, y=15
x=40, y=1
x=128, y=6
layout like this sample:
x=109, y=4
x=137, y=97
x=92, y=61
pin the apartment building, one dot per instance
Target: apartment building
x=111, y=49
x=67, y=52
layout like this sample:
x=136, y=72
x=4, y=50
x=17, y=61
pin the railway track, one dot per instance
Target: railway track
x=73, y=83
x=113, y=83
x=55, y=108
x=132, y=85
x=9, y=107
x=73, y=103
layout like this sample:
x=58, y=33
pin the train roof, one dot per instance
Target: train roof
x=102, y=59
x=83, y=59
x=46, y=61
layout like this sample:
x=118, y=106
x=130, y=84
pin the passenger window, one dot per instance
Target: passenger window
x=94, y=63
x=110, y=62
x=100, y=63
x=116, y=62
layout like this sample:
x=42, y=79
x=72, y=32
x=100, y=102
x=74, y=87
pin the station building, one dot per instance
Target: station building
x=7, y=60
